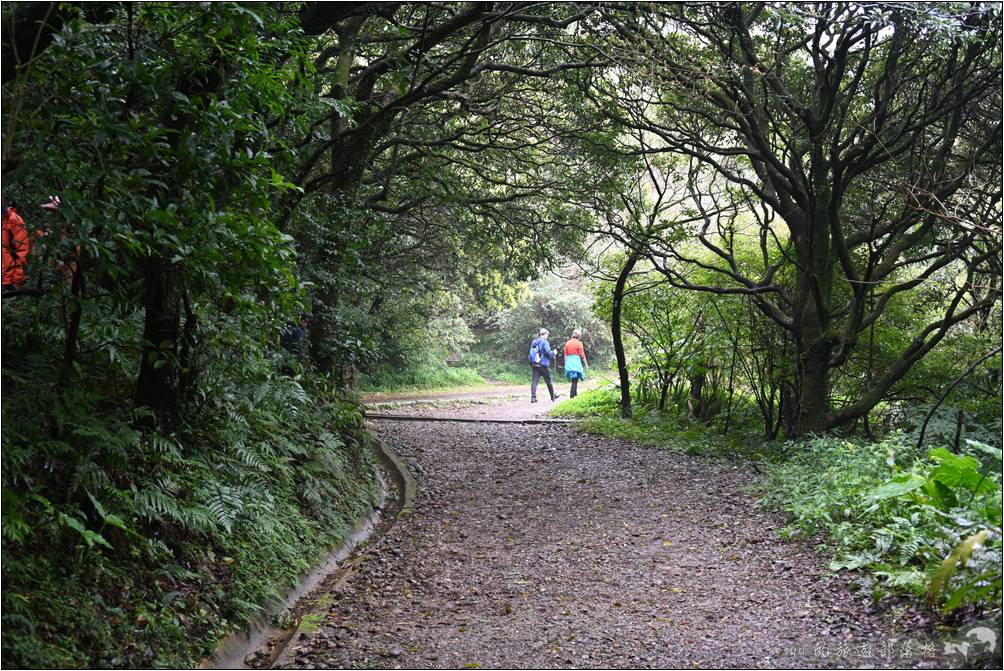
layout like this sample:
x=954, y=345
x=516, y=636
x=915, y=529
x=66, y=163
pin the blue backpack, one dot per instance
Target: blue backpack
x=535, y=356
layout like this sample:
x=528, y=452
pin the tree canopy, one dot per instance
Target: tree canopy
x=788, y=214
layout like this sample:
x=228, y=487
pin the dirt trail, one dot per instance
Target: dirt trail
x=539, y=546
x=494, y=393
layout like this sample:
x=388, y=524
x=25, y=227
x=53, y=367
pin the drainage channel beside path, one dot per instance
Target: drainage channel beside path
x=537, y=546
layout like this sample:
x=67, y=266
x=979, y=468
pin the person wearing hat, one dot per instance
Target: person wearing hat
x=575, y=361
x=541, y=356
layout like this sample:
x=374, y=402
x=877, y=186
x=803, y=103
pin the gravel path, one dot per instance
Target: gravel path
x=538, y=546
x=493, y=393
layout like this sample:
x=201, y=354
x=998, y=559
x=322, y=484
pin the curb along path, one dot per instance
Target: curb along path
x=403, y=505
x=537, y=546
x=267, y=644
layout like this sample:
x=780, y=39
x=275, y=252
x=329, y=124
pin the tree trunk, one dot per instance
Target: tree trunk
x=732, y=385
x=73, y=325
x=787, y=413
x=814, y=390
x=696, y=401
x=615, y=330
x=187, y=370
x=156, y=385
x=814, y=277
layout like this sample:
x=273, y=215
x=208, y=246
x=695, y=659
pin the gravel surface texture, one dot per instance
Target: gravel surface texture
x=542, y=547
x=491, y=393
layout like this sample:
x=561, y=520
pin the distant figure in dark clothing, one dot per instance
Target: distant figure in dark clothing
x=292, y=338
x=541, y=356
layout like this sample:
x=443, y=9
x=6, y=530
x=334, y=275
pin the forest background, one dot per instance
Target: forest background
x=780, y=224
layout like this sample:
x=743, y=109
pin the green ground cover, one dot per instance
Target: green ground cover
x=424, y=378
x=152, y=548
x=923, y=522
x=600, y=414
x=493, y=368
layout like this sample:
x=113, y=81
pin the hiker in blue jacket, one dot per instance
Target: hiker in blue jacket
x=541, y=356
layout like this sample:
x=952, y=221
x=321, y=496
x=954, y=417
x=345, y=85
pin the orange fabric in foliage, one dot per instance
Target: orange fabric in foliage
x=16, y=245
x=574, y=346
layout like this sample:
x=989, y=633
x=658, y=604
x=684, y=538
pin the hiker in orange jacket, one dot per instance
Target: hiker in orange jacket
x=575, y=361
x=17, y=244
x=16, y=247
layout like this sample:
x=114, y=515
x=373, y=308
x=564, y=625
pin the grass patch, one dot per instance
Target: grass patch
x=599, y=410
x=311, y=622
x=593, y=403
x=426, y=377
x=492, y=368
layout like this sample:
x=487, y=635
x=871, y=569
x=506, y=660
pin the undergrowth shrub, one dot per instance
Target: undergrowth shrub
x=495, y=368
x=599, y=412
x=603, y=402
x=426, y=376
x=123, y=547
x=920, y=522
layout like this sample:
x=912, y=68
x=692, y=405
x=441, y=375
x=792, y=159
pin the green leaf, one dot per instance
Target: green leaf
x=960, y=471
x=90, y=537
x=899, y=485
x=941, y=496
x=990, y=450
x=97, y=505
x=955, y=600
x=116, y=521
x=959, y=556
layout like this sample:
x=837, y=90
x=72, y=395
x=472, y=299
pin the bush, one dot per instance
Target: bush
x=125, y=547
x=426, y=377
x=926, y=524
x=557, y=305
x=593, y=403
x=492, y=368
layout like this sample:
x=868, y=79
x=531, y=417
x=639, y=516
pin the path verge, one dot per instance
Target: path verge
x=265, y=643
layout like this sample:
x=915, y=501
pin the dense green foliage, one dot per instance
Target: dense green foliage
x=902, y=514
x=559, y=305
x=807, y=231
x=720, y=360
x=838, y=167
x=163, y=480
x=486, y=344
x=124, y=547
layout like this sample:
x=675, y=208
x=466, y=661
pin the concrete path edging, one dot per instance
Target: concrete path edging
x=407, y=489
x=233, y=651
x=398, y=470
